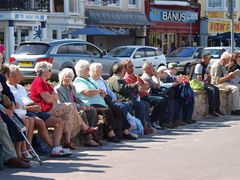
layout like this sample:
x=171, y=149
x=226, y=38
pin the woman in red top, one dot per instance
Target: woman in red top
x=42, y=93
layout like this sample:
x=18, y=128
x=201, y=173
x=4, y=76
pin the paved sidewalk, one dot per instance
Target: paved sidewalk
x=207, y=150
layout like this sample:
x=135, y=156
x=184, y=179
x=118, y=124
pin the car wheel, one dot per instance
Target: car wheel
x=187, y=69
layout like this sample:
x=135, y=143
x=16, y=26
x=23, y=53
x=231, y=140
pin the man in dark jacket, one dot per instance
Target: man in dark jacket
x=200, y=73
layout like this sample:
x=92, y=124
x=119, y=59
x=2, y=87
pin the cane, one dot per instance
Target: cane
x=21, y=128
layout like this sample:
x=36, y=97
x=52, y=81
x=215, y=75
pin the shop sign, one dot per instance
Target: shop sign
x=216, y=15
x=28, y=17
x=169, y=15
x=23, y=16
x=220, y=15
x=221, y=27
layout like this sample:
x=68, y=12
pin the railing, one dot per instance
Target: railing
x=25, y=5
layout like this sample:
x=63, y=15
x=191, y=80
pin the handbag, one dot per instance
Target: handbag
x=6, y=102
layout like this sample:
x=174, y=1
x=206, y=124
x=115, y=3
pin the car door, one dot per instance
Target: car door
x=138, y=60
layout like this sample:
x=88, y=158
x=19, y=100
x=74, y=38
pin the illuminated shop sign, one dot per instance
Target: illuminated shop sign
x=169, y=15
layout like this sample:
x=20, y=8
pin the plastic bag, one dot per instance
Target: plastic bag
x=196, y=84
x=136, y=125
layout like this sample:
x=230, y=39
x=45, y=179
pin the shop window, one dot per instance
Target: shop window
x=58, y=5
x=73, y=6
x=24, y=35
x=54, y=34
x=132, y=2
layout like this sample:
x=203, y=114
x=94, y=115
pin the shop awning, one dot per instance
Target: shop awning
x=226, y=36
x=93, y=30
x=116, y=17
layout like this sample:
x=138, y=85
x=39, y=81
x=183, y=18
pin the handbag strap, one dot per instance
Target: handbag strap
x=89, y=82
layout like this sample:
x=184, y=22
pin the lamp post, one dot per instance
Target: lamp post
x=231, y=16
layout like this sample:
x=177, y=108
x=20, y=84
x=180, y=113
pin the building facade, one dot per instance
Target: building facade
x=173, y=22
x=23, y=20
x=125, y=17
x=215, y=20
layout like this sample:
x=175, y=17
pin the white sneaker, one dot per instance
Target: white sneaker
x=59, y=151
x=27, y=155
x=155, y=125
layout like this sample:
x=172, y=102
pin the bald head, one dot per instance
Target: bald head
x=225, y=58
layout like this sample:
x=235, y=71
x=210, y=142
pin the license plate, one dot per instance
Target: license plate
x=25, y=64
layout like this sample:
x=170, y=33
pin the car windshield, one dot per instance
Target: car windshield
x=34, y=48
x=121, y=52
x=215, y=53
x=182, y=52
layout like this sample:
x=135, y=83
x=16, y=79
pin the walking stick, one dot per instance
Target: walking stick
x=21, y=128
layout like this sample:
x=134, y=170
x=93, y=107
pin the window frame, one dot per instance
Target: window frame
x=75, y=6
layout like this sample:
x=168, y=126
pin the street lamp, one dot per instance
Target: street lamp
x=231, y=16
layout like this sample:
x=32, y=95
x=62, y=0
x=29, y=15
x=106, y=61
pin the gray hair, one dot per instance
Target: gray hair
x=42, y=66
x=13, y=68
x=226, y=55
x=81, y=66
x=65, y=72
x=94, y=67
x=146, y=65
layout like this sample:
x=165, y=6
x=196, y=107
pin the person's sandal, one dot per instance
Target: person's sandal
x=32, y=153
x=90, y=130
x=91, y=143
x=70, y=146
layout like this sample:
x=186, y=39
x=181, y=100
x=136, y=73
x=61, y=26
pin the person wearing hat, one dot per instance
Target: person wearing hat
x=200, y=73
x=183, y=110
x=172, y=71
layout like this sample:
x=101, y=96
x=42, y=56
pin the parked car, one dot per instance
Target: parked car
x=183, y=57
x=61, y=53
x=216, y=52
x=139, y=55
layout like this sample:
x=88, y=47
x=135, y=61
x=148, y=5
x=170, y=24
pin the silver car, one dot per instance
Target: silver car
x=61, y=53
x=184, y=56
x=139, y=55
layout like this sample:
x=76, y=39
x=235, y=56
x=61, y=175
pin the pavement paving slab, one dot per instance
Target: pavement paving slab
x=206, y=150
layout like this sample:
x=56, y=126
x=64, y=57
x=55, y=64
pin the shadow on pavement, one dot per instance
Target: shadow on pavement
x=84, y=161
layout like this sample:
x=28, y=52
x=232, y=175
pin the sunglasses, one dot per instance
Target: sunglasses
x=130, y=66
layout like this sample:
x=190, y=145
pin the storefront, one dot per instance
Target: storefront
x=130, y=27
x=18, y=27
x=173, y=23
x=217, y=23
